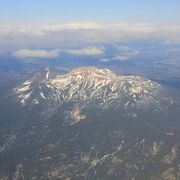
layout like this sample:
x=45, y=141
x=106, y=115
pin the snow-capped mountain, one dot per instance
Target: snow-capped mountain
x=90, y=86
x=90, y=124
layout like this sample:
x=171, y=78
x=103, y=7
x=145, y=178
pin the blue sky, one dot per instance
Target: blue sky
x=103, y=11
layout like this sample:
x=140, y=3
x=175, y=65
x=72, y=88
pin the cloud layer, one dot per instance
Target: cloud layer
x=81, y=34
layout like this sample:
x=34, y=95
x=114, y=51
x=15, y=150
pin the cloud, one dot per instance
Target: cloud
x=88, y=51
x=121, y=58
x=125, y=53
x=27, y=53
x=82, y=34
x=72, y=26
x=122, y=47
x=104, y=60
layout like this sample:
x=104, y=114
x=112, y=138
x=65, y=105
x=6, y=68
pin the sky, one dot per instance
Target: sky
x=102, y=11
x=50, y=28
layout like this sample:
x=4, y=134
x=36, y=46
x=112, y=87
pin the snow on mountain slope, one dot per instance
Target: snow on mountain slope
x=91, y=86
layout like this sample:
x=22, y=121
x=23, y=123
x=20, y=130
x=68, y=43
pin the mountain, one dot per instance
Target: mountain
x=89, y=124
x=87, y=87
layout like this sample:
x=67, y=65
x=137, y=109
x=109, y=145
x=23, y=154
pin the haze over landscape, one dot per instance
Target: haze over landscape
x=89, y=90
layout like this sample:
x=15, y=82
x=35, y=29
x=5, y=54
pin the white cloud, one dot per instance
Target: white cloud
x=72, y=26
x=26, y=53
x=121, y=58
x=88, y=51
x=81, y=34
x=125, y=53
x=104, y=60
x=122, y=48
